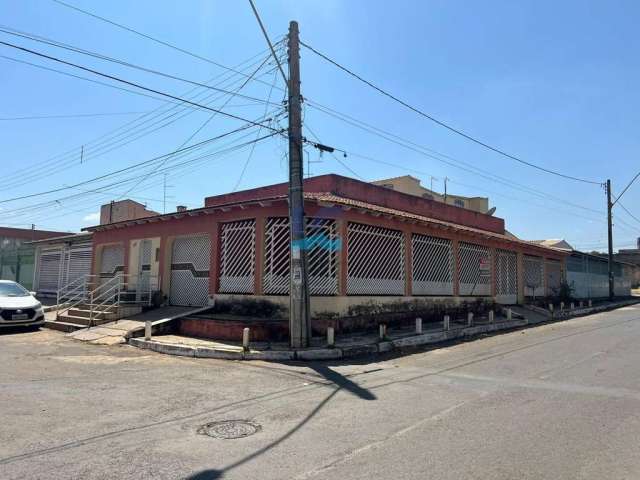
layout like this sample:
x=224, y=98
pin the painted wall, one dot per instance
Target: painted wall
x=163, y=230
x=367, y=192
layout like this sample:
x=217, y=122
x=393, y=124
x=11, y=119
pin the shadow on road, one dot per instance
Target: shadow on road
x=337, y=379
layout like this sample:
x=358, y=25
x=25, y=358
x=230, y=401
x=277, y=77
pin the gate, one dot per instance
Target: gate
x=238, y=257
x=475, y=269
x=48, y=268
x=506, y=277
x=533, y=276
x=190, y=263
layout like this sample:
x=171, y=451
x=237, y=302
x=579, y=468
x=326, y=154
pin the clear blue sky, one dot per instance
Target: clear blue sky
x=552, y=82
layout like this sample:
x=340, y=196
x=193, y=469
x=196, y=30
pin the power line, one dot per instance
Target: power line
x=206, y=122
x=100, y=56
x=71, y=115
x=153, y=39
x=628, y=212
x=191, y=147
x=627, y=187
x=250, y=155
x=201, y=159
x=108, y=145
x=446, y=159
x=156, y=113
x=266, y=36
x=443, y=124
x=117, y=79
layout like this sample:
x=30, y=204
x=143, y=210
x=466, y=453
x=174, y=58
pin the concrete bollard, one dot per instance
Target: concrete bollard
x=572, y=306
x=147, y=330
x=383, y=331
x=551, y=307
x=447, y=322
x=418, y=325
x=491, y=316
x=581, y=304
x=331, y=337
x=245, y=338
x=561, y=306
x=590, y=304
x=509, y=315
x=470, y=319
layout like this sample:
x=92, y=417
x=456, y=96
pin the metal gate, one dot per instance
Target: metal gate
x=432, y=265
x=190, y=263
x=554, y=277
x=111, y=262
x=321, y=245
x=238, y=257
x=48, y=268
x=533, y=276
x=506, y=277
x=76, y=263
x=144, y=267
x=375, y=260
x=475, y=269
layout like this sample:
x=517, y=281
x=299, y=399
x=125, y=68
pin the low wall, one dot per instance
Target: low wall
x=340, y=305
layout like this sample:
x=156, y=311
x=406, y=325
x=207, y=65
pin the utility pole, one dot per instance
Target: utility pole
x=299, y=324
x=610, y=235
x=445, y=189
x=164, y=194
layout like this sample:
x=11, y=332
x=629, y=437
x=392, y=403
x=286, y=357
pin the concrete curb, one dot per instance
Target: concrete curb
x=314, y=354
x=360, y=350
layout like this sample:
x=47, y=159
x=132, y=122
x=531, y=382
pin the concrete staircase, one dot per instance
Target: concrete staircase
x=80, y=316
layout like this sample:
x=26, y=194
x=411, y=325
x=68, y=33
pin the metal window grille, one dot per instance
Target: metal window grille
x=237, y=257
x=190, y=264
x=506, y=276
x=554, y=276
x=432, y=265
x=533, y=276
x=322, y=248
x=375, y=263
x=112, y=260
x=475, y=269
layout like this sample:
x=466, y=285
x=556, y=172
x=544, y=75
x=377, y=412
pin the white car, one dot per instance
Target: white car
x=18, y=306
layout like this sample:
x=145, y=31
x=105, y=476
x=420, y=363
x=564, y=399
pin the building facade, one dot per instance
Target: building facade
x=365, y=243
x=412, y=186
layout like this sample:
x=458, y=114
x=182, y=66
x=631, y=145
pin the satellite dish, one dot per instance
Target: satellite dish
x=491, y=211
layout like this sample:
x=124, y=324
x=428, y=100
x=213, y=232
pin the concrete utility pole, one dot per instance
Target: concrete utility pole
x=610, y=235
x=299, y=324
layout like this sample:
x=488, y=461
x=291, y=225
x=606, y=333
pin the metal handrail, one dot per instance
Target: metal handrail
x=96, y=296
x=107, y=293
x=73, y=296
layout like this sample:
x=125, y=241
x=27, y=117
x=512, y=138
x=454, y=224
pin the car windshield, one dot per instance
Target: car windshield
x=12, y=290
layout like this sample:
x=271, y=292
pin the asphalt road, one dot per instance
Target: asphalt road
x=559, y=401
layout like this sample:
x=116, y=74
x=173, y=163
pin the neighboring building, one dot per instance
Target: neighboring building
x=554, y=243
x=17, y=259
x=365, y=244
x=123, y=210
x=14, y=237
x=588, y=273
x=411, y=186
x=60, y=261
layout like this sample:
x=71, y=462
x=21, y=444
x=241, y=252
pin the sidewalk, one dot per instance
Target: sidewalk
x=356, y=345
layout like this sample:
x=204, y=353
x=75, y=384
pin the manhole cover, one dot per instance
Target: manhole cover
x=230, y=429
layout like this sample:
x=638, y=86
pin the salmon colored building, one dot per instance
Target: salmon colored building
x=365, y=243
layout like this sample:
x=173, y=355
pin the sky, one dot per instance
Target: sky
x=553, y=83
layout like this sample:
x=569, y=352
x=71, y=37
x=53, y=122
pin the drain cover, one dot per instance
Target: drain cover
x=230, y=429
